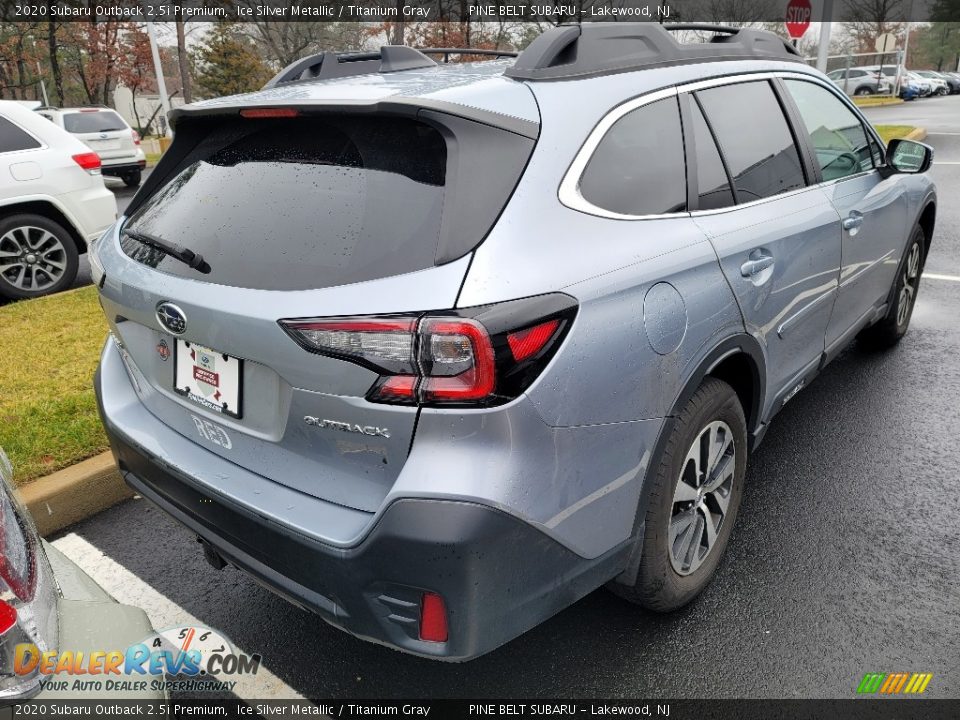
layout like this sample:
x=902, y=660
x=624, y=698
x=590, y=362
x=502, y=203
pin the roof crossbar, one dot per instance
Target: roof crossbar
x=326, y=65
x=569, y=52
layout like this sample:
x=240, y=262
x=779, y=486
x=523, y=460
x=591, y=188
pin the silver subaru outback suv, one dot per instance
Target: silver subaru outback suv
x=436, y=350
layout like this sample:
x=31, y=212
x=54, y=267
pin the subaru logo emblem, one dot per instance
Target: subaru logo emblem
x=172, y=318
x=103, y=136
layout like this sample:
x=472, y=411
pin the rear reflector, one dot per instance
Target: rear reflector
x=527, y=343
x=269, y=113
x=8, y=616
x=88, y=161
x=433, y=618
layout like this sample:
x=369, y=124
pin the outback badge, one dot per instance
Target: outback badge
x=347, y=427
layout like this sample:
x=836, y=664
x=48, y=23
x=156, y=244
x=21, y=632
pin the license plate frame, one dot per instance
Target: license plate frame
x=208, y=378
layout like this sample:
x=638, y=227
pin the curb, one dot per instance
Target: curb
x=74, y=493
x=917, y=134
x=888, y=103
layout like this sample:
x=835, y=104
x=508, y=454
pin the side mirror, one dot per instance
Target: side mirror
x=908, y=157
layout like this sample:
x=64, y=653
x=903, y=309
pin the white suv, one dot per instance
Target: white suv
x=52, y=203
x=105, y=132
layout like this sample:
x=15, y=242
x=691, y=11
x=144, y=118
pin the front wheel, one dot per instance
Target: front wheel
x=887, y=332
x=693, y=501
x=864, y=91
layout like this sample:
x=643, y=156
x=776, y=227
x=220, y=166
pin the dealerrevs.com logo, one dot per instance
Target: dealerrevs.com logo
x=899, y=683
x=183, y=658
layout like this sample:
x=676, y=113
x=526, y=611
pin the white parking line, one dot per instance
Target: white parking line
x=129, y=589
x=935, y=276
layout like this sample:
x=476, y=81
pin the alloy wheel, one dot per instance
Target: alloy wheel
x=702, y=497
x=32, y=259
x=908, y=288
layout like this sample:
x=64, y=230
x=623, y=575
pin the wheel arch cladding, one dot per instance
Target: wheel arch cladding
x=927, y=221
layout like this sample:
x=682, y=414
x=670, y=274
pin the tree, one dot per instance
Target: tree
x=136, y=67
x=228, y=63
x=936, y=45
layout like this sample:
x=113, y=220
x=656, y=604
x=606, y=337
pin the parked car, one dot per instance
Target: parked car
x=908, y=78
x=436, y=350
x=857, y=81
x=104, y=131
x=50, y=603
x=938, y=83
x=952, y=80
x=52, y=203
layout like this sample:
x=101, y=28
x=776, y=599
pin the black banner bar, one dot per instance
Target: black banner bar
x=378, y=11
x=880, y=709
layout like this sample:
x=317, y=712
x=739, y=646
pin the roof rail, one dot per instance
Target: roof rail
x=447, y=52
x=325, y=65
x=567, y=52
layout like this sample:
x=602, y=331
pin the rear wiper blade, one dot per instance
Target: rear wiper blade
x=184, y=255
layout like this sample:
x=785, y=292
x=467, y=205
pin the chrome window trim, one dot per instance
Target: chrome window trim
x=569, y=190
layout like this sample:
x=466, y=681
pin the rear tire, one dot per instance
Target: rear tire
x=699, y=480
x=37, y=257
x=887, y=332
x=132, y=179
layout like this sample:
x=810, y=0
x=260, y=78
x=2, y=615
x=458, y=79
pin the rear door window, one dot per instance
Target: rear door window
x=302, y=203
x=91, y=122
x=754, y=138
x=713, y=184
x=12, y=138
x=639, y=166
x=837, y=135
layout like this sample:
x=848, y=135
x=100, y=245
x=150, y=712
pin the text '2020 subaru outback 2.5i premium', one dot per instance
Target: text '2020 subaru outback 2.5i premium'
x=434, y=351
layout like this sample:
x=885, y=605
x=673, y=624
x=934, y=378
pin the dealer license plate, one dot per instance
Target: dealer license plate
x=209, y=378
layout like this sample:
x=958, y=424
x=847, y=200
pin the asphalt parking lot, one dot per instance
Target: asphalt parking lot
x=845, y=560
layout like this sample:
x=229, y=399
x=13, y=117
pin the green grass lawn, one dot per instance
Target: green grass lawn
x=48, y=415
x=889, y=132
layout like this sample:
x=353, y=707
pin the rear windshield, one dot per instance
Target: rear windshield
x=302, y=203
x=90, y=122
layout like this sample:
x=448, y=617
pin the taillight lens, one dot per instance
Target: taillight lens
x=28, y=609
x=476, y=356
x=88, y=161
x=136, y=136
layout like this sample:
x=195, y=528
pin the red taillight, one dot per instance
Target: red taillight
x=8, y=616
x=527, y=343
x=269, y=113
x=433, y=618
x=136, y=137
x=457, y=359
x=472, y=357
x=89, y=161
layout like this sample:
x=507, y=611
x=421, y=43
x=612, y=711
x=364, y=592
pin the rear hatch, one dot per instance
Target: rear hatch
x=311, y=215
x=104, y=132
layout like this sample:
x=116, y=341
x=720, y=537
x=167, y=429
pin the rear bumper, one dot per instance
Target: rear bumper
x=498, y=576
x=122, y=168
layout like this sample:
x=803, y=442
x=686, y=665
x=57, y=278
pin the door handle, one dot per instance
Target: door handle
x=853, y=221
x=757, y=263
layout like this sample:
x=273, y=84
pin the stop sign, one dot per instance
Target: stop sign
x=798, y=18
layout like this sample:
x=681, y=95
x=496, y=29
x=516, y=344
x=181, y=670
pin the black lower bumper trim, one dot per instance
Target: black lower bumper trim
x=498, y=575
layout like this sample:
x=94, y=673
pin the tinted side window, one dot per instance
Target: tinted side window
x=713, y=185
x=754, y=138
x=639, y=167
x=838, y=137
x=12, y=138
